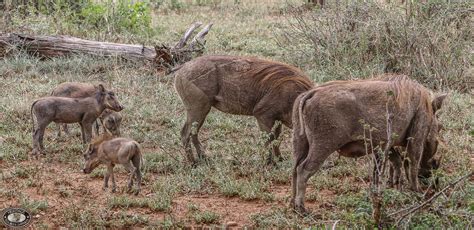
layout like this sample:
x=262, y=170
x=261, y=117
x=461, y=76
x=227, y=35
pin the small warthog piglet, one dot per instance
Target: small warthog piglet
x=111, y=121
x=111, y=151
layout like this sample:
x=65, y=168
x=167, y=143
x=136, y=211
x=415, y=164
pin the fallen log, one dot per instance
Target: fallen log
x=57, y=46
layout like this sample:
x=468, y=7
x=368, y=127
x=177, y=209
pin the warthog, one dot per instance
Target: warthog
x=112, y=151
x=238, y=85
x=332, y=116
x=110, y=119
x=71, y=110
x=73, y=90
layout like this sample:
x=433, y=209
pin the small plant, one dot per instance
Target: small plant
x=176, y=4
x=34, y=206
x=126, y=202
x=160, y=203
x=21, y=172
x=206, y=217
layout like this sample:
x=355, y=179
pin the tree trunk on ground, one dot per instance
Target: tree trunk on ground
x=57, y=46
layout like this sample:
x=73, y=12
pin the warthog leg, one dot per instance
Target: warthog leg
x=414, y=153
x=87, y=135
x=106, y=179
x=139, y=180
x=196, y=114
x=267, y=125
x=59, y=129
x=300, y=151
x=132, y=172
x=66, y=129
x=82, y=133
x=136, y=162
x=317, y=154
x=395, y=169
x=38, y=136
x=110, y=172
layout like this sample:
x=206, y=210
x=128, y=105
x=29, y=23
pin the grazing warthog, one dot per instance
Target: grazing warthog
x=71, y=110
x=81, y=90
x=238, y=85
x=332, y=116
x=111, y=151
x=111, y=121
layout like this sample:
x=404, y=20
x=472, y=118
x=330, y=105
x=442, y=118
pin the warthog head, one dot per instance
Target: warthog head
x=429, y=161
x=112, y=123
x=109, y=99
x=91, y=158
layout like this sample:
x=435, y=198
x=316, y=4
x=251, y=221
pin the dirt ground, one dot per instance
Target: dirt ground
x=54, y=180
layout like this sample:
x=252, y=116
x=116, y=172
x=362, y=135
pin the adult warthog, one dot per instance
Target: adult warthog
x=238, y=85
x=335, y=116
x=71, y=110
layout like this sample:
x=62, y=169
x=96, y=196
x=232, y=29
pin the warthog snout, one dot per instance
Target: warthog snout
x=112, y=102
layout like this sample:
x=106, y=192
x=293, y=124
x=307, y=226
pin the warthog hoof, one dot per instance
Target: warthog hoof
x=271, y=162
x=35, y=152
x=280, y=158
x=299, y=209
x=203, y=158
x=136, y=192
x=114, y=190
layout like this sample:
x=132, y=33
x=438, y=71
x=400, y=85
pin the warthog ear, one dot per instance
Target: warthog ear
x=101, y=88
x=438, y=102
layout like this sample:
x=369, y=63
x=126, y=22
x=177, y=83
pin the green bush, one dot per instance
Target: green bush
x=109, y=16
x=123, y=16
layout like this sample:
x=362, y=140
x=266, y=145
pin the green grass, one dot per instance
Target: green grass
x=236, y=167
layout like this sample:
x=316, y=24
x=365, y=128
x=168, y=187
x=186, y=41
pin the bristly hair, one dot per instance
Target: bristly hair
x=402, y=86
x=270, y=75
x=104, y=137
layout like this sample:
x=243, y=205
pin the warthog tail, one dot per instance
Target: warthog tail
x=137, y=149
x=31, y=113
x=303, y=99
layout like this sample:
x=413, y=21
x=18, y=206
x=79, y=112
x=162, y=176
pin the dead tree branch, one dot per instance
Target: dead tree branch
x=420, y=206
x=171, y=58
x=187, y=34
x=199, y=38
x=164, y=57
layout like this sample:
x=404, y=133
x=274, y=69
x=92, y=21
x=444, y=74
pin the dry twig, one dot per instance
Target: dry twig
x=420, y=206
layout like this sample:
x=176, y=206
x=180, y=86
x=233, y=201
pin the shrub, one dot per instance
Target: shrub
x=123, y=16
x=354, y=39
x=111, y=16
